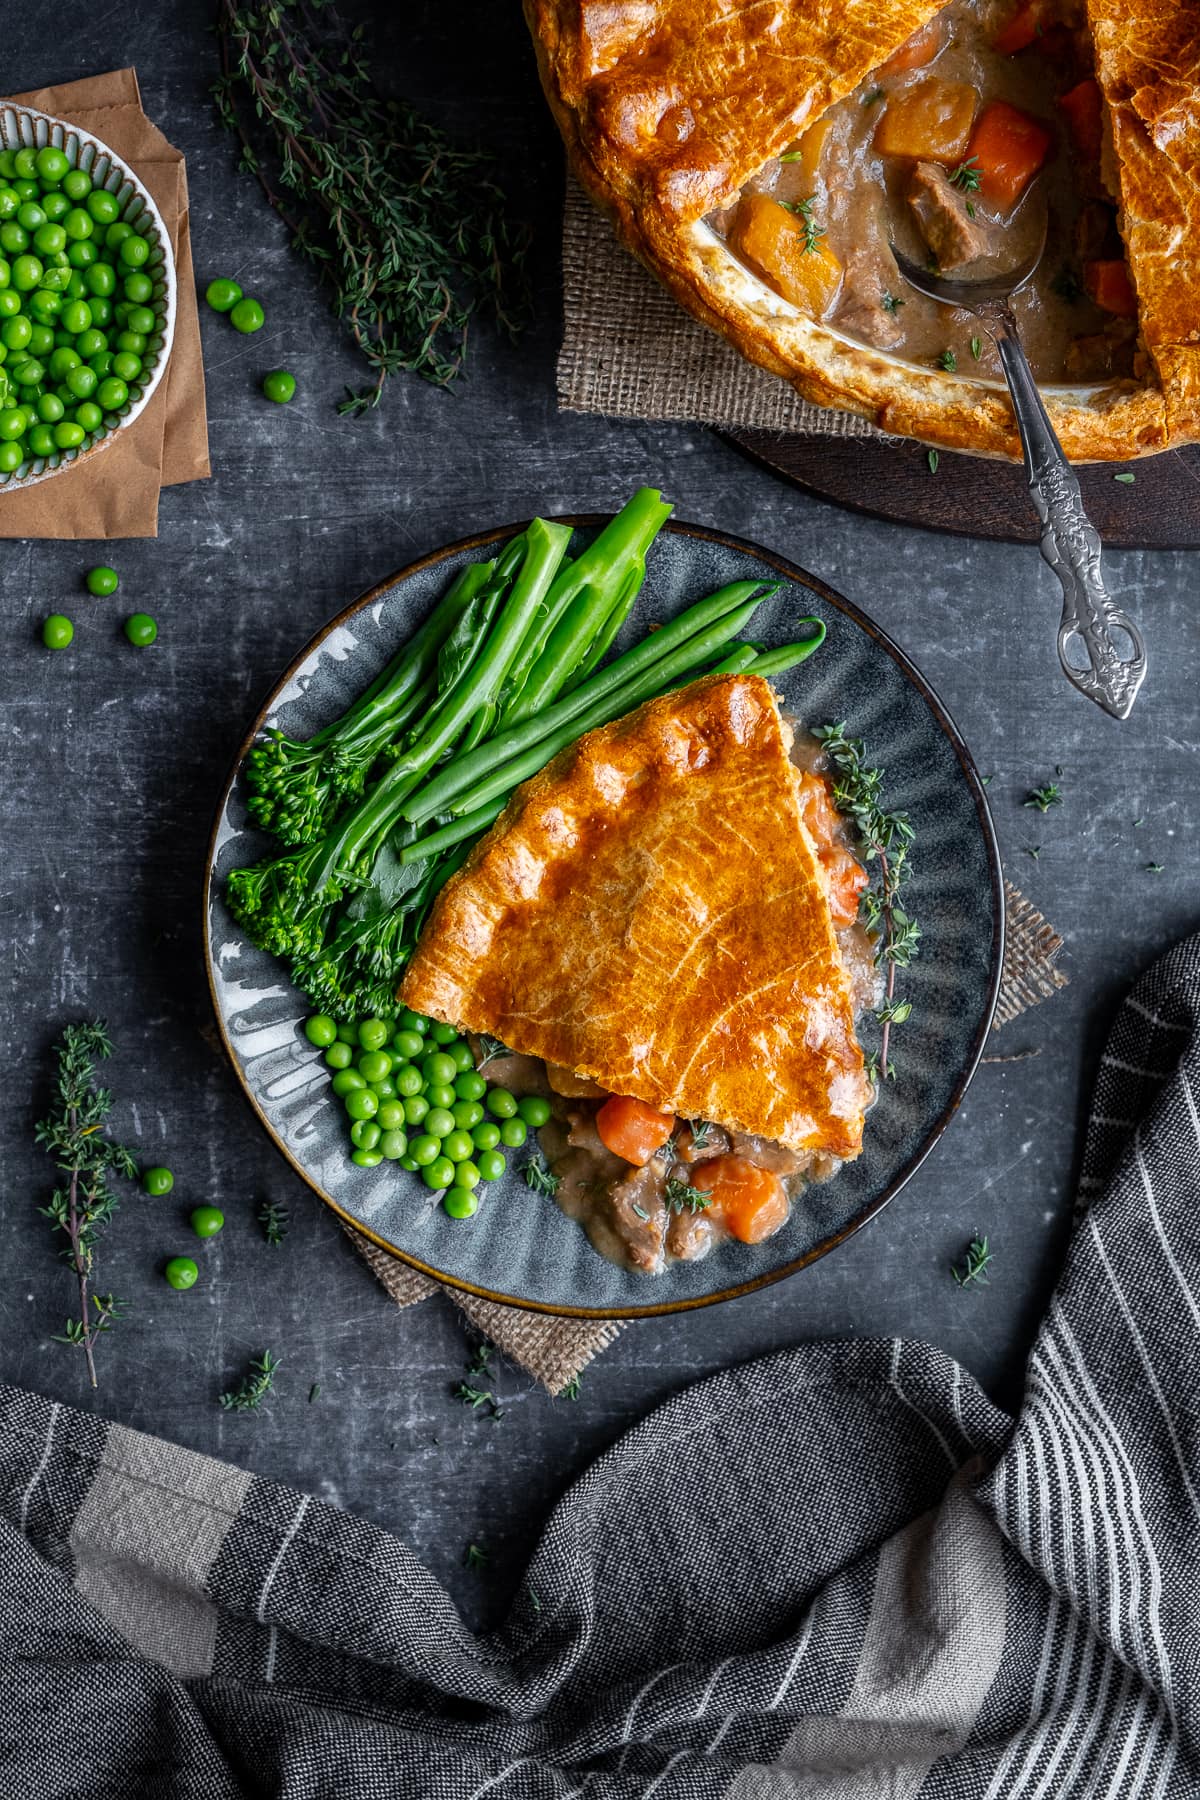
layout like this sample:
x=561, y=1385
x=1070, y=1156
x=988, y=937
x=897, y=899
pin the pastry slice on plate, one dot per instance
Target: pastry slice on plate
x=652, y=915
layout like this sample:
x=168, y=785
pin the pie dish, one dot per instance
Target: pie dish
x=740, y=151
x=520, y=1248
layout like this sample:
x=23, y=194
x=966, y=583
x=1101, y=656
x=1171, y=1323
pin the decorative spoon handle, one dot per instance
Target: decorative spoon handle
x=1111, y=643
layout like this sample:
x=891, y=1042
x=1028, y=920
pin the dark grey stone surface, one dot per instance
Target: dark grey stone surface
x=112, y=760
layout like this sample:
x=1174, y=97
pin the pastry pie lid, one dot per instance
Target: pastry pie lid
x=668, y=107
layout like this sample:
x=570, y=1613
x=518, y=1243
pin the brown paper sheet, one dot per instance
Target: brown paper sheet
x=114, y=494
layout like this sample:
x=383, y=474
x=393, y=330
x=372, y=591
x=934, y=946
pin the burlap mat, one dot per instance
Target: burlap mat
x=115, y=494
x=629, y=350
x=555, y=1350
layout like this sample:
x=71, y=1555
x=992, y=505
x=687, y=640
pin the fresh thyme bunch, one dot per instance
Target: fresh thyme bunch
x=409, y=231
x=74, y=1135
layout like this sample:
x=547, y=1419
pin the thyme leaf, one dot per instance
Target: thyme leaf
x=890, y=303
x=931, y=457
x=870, y=98
x=948, y=361
x=972, y=1271
x=976, y=348
x=254, y=1386
x=967, y=176
x=571, y=1391
x=1044, y=797
x=474, y=1557
x=1127, y=476
x=489, y=1049
x=813, y=232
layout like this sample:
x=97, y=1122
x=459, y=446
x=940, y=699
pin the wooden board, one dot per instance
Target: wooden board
x=973, y=497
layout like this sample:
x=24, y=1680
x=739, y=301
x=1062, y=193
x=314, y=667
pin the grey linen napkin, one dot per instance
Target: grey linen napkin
x=555, y=1350
x=836, y=1573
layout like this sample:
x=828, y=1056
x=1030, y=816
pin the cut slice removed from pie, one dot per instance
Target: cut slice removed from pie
x=650, y=913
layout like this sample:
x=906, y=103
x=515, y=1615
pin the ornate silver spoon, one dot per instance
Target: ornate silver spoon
x=1099, y=646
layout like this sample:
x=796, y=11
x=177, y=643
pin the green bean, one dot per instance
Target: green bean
x=457, y=832
x=652, y=652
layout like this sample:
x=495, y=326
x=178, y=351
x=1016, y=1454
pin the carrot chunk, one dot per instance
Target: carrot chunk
x=1008, y=147
x=776, y=242
x=632, y=1130
x=930, y=121
x=919, y=49
x=752, y=1202
x=1109, y=285
x=1022, y=29
x=1083, y=109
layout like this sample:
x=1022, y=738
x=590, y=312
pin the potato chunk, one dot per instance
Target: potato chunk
x=773, y=241
x=930, y=121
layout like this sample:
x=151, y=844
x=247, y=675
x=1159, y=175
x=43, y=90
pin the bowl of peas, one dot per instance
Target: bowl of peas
x=87, y=296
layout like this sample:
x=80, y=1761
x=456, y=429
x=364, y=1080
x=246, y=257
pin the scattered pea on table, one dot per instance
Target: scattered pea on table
x=141, y=629
x=158, y=1180
x=102, y=580
x=181, y=1272
x=247, y=316
x=57, y=631
x=206, y=1221
x=279, y=386
x=222, y=294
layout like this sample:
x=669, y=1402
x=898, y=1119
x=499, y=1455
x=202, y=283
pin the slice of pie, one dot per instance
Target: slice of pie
x=651, y=913
x=763, y=159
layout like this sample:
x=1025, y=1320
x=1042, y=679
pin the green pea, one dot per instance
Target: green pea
x=116, y=234
x=408, y=1044
x=416, y=1108
x=461, y=1203
x=438, y=1122
x=30, y=373
x=491, y=1165
x=9, y=202
x=365, y=1134
x=339, y=1055
x=374, y=1065
x=393, y=1145
x=424, y=1150
x=140, y=320
x=362, y=1104
x=441, y=1033
x=206, y=1221
x=347, y=1034
x=31, y=218
x=486, y=1136
x=406, y=1162
x=373, y=1034
x=56, y=206
x=50, y=408
x=89, y=416
x=25, y=163
x=457, y=1146
x=346, y=1081
x=12, y=455
x=10, y=303
x=82, y=254
x=52, y=164
x=112, y=394
x=40, y=442
x=140, y=629
x=513, y=1133
x=158, y=1180
x=440, y=1094
x=134, y=252
x=413, y=1021
x=77, y=184
x=470, y=1086
x=49, y=238
x=534, y=1110
x=139, y=288
x=41, y=341
x=320, y=1030
x=132, y=343
x=467, y=1114
x=408, y=1080
x=13, y=238
x=12, y=423
x=63, y=360
x=385, y=1088
x=77, y=224
x=26, y=274
x=439, y=1069
x=103, y=206
x=439, y=1174
x=391, y=1115
x=100, y=279
x=126, y=365
x=101, y=363
x=222, y=295
x=279, y=386
x=181, y=1272
x=501, y=1104
x=366, y=1159
x=247, y=316
x=89, y=343
x=102, y=581
x=460, y=1051
x=57, y=631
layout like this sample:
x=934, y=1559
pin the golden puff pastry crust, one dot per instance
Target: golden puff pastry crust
x=668, y=107
x=649, y=913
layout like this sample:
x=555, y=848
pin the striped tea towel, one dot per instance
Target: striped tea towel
x=839, y=1573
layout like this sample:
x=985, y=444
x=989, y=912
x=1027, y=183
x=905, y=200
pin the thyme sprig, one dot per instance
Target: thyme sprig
x=972, y=1271
x=471, y=1394
x=679, y=1194
x=813, y=233
x=74, y=1135
x=1044, y=797
x=967, y=176
x=272, y=1215
x=541, y=1179
x=702, y=1131
x=408, y=231
x=254, y=1386
x=884, y=838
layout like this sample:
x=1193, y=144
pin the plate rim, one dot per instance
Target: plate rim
x=481, y=540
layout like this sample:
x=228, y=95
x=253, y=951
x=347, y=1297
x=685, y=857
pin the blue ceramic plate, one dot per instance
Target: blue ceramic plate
x=519, y=1248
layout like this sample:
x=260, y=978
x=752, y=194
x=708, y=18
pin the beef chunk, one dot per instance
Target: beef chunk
x=942, y=218
x=861, y=311
x=638, y=1215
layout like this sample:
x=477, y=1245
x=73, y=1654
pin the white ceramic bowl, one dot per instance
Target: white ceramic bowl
x=22, y=128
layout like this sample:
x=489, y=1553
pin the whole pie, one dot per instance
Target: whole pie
x=763, y=158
